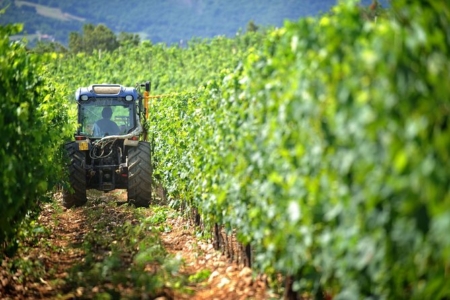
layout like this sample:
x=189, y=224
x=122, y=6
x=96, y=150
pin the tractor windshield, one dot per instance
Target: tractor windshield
x=105, y=117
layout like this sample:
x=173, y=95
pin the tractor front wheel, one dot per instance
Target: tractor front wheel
x=139, y=175
x=76, y=194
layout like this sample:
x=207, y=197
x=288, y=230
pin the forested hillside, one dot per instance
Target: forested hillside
x=170, y=21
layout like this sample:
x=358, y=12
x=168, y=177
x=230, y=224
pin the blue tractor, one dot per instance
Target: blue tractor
x=110, y=149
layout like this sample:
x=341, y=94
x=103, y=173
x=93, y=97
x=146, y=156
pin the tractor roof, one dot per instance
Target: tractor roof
x=105, y=91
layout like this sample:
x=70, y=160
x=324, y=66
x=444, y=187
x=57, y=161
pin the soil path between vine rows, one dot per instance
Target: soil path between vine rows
x=45, y=262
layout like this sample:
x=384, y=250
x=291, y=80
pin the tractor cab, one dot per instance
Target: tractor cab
x=105, y=110
x=110, y=150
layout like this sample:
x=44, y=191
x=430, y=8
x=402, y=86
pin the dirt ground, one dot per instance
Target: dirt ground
x=226, y=281
x=48, y=259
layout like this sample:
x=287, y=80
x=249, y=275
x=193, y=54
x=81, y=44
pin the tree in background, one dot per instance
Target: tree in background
x=45, y=47
x=252, y=27
x=93, y=38
x=75, y=42
x=128, y=39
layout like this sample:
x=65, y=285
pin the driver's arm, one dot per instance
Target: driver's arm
x=96, y=130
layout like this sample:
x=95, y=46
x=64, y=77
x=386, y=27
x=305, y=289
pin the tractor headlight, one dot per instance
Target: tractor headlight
x=128, y=97
x=84, y=97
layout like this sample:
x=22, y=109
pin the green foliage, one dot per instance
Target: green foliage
x=157, y=221
x=170, y=69
x=200, y=276
x=327, y=150
x=33, y=122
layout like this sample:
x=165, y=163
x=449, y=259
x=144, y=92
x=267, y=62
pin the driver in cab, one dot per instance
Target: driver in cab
x=105, y=126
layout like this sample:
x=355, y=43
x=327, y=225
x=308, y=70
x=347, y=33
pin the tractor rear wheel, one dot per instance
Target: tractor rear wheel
x=139, y=175
x=76, y=196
